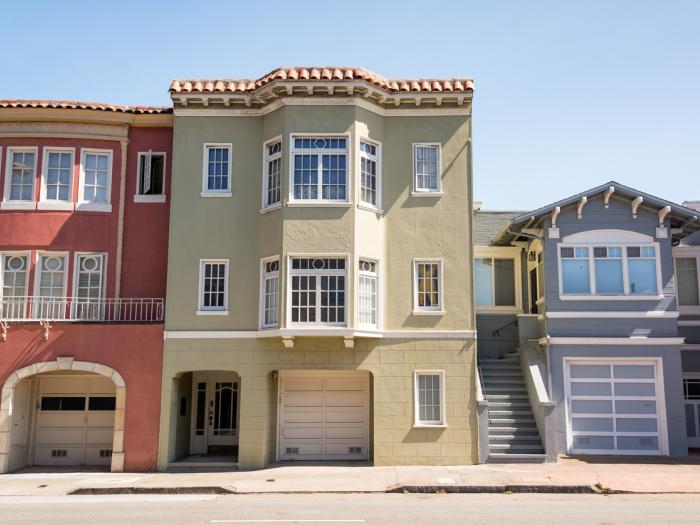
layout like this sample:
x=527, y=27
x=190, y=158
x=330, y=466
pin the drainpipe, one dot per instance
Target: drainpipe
x=120, y=224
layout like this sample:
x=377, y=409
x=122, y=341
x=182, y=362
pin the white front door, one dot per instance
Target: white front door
x=614, y=406
x=215, y=415
x=691, y=394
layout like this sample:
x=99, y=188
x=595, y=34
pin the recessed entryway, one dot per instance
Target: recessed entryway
x=214, y=420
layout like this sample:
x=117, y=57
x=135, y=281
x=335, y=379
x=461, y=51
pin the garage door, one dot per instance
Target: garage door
x=614, y=407
x=324, y=416
x=75, y=421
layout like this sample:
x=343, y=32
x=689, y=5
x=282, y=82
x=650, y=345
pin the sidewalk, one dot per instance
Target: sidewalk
x=653, y=475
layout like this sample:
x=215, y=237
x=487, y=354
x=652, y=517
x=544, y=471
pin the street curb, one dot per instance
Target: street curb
x=494, y=489
x=149, y=490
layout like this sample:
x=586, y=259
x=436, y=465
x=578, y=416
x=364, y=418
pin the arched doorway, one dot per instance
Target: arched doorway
x=62, y=412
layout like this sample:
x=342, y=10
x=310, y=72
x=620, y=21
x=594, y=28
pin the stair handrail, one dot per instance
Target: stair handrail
x=482, y=411
x=497, y=331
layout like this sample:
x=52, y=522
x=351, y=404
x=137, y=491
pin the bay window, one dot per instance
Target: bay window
x=270, y=293
x=272, y=174
x=319, y=168
x=317, y=290
x=367, y=293
x=369, y=174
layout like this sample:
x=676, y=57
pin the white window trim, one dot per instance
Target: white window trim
x=76, y=270
x=378, y=208
x=378, y=306
x=288, y=288
x=205, y=170
x=266, y=159
x=201, y=310
x=432, y=310
x=348, y=177
x=686, y=252
x=625, y=273
x=84, y=205
x=417, y=422
x=11, y=253
x=502, y=253
x=44, y=203
x=37, y=269
x=160, y=198
x=415, y=191
x=660, y=400
x=8, y=204
x=261, y=297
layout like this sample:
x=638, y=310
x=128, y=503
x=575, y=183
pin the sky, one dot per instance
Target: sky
x=568, y=94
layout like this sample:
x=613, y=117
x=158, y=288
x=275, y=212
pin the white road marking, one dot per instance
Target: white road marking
x=287, y=521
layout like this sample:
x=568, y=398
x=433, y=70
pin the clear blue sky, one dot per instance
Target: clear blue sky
x=569, y=94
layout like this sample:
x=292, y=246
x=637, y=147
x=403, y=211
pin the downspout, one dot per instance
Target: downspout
x=120, y=223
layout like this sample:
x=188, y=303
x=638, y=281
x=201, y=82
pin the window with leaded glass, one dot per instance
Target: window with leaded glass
x=428, y=286
x=319, y=168
x=272, y=176
x=317, y=290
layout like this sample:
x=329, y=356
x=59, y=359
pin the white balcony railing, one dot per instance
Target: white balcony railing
x=76, y=309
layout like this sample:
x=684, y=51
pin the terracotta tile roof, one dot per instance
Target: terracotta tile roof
x=99, y=106
x=329, y=74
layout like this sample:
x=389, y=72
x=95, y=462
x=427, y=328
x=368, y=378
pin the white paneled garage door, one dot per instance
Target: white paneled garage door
x=615, y=407
x=74, y=421
x=324, y=416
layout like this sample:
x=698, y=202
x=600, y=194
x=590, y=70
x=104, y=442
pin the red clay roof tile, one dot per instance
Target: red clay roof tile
x=72, y=104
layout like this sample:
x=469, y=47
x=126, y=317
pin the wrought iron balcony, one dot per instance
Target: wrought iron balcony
x=81, y=309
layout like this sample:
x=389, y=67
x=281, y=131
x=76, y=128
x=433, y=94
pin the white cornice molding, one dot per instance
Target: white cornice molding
x=77, y=130
x=651, y=314
x=617, y=341
x=319, y=332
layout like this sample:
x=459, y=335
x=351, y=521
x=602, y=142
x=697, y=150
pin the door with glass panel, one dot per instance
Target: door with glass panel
x=215, y=415
x=15, y=270
x=691, y=394
x=50, y=302
x=89, y=287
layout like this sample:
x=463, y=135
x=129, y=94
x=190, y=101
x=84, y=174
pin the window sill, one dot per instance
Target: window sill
x=369, y=207
x=56, y=206
x=610, y=297
x=429, y=312
x=496, y=310
x=427, y=193
x=424, y=425
x=211, y=312
x=319, y=204
x=222, y=194
x=149, y=198
x=271, y=208
x=93, y=206
x=18, y=205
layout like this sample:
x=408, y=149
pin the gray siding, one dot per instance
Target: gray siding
x=691, y=361
x=492, y=346
x=691, y=334
x=612, y=327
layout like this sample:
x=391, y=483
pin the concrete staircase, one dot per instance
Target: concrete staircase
x=513, y=434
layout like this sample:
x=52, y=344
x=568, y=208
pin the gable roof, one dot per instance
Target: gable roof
x=487, y=225
x=685, y=219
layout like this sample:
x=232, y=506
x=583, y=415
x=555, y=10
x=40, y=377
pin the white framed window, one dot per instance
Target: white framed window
x=14, y=281
x=95, y=180
x=497, y=283
x=429, y=398
x=216, y=171
x=370, y=174
x=368, y=293
x=427, y=169
x=270, y=293
x=50, y=283
x=89, y=282
x=213, y=286
x=319, y=169
x=427, y=286
x=317, y=290
x=150, y=179
x=20, y=177
x=57, y=179
x=272, y=173
x=686, y=261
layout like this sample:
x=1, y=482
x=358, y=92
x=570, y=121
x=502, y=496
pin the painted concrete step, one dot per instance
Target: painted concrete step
x=513, y=404
x=536, y=448
x=498, y=432
x=511, y=421
x=502, y=389
x=505, y=397
x=507, y=372
x=518, y=439
x=509, y=457
x=510, y=413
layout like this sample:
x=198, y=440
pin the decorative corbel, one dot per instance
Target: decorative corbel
x=606, y=196
x=227, y=101
x=350, y=90
x=418, y=101
x=310, y=89
x=288, y=341
x=331, y=90
x=635, y=205
x=397, y=101
x=3, y=327
x=553, y=230
x=438, y=101
x=349, y=341
x=581, y=204
x=290, y=90
x=205, y=101
x=663, y=212
x=47, y=327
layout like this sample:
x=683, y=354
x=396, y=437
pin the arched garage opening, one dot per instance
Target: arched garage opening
x=62, y=413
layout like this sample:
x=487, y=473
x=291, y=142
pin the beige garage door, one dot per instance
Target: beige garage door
x=324, y=416
x=75, y=421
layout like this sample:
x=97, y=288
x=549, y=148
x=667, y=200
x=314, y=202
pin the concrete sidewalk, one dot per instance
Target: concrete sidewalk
x=653, y=475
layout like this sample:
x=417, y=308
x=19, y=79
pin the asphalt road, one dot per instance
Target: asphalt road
x=435, y=509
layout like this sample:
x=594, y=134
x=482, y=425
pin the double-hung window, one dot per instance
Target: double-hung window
x=426, y=168
x=216, y=179
x=370, y=176
x=688, y=279
x=89, y=285
x=213, y=286
x=15, y=271
x=150, y=183
x=57, y=177
x=495, y=281
x=609, y=270
x=270, y=293
x=50, y=288
x=317, y=290
x=96, y=179
x=427, y=286
x=429, y=400
x=319, y=169
x=368, y=292
x=272, y=174
x=20, y=174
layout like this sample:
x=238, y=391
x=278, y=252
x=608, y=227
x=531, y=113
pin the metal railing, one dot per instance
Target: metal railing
x=76, y=309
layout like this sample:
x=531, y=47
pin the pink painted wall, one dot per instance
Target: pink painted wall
x=134, y=350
